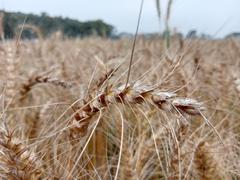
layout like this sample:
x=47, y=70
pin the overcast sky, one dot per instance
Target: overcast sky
x=209, y=16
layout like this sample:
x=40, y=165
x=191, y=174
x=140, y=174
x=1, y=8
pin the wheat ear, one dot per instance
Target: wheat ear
x=38, y=79
x=132, y=95
x=206, y=164
x=17, y=162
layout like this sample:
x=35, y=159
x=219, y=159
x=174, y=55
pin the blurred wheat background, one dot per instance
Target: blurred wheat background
x=67, y=112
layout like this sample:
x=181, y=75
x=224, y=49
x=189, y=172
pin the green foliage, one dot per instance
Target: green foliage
x=48, y=25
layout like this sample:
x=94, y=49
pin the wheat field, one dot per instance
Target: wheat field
x=67, y=112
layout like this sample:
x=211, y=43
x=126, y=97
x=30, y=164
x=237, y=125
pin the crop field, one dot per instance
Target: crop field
x=71, y=109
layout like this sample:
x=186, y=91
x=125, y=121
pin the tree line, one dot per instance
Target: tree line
x=71, y=28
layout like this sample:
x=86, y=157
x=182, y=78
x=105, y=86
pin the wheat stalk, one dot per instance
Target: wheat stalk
x=34, y=28
x=158, y=7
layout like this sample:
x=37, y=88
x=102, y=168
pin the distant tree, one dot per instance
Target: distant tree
x=1, y=25
x=205, y=36
x=233, y=35
x=192, y=34
x=49, y=25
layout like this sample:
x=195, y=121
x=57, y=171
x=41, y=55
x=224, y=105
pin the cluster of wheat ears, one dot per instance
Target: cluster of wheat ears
x=67, y=111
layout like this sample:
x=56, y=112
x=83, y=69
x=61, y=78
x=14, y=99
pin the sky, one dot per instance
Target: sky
x=213, y=17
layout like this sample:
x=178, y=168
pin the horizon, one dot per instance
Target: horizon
x=218, y=24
